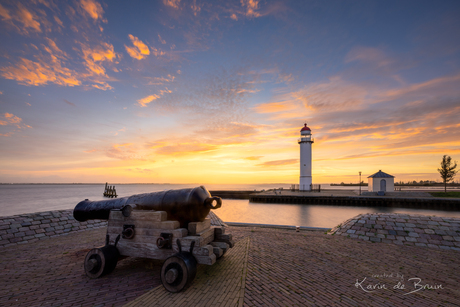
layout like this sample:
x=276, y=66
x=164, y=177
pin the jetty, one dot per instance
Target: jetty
x=396, y=199
x=414, y=200
x=110, y=191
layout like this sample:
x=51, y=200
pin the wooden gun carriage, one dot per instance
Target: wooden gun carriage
x=169, y=225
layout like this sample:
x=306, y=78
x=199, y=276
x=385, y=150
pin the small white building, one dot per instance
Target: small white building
x=381, y=181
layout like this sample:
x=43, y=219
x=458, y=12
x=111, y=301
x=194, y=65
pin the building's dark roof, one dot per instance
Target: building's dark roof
x=381, y=174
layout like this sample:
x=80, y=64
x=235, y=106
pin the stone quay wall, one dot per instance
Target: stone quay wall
x=31, y=227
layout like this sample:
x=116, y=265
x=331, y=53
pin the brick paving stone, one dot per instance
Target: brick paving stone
x=223, y=284
x=326, y=273
x=283, y=268
x=46, y=272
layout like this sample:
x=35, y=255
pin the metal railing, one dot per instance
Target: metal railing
x=306, y=139
x=313, y=188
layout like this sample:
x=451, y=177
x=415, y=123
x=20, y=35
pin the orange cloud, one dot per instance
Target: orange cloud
x=28, y=72
x=8, y=119
x=161, y=40
x=93, y=8
x=162, y=80
x=94, y=57
x=251, y=7
x=279, y=162
x=273, y=107
x=101, y=85
x=50, y=67
x=55, y=48
x=195, y=8
x=172, y=3
x=146, y=100
x=139, y=51
x=186, y=148
x=419, y=151
x=434, y=84
x=253, y=158
x=4, y=13
x=123, y=152
x=58, y=21
x=23, y=17
x=28, y=19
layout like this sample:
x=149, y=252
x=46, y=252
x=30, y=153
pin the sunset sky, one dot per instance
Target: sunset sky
x=178, y=91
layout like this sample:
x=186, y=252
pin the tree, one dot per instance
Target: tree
x=447, y=170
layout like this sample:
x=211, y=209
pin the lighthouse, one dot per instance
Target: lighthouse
x=305, y=142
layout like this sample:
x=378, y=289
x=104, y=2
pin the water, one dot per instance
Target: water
x=19, y=199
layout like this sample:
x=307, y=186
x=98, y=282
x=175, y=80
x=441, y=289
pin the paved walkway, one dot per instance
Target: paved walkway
x=283, y=268
x=221, y=284
x=419, y=230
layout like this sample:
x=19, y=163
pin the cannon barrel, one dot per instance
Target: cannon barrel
x=184, y=205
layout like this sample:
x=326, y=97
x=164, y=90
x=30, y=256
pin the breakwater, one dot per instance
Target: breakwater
x=27, y=228
x=232, y=194
x=433, y=203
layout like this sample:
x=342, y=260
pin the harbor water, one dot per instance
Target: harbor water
x=22, y=198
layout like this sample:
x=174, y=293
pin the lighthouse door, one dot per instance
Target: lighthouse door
x=383, y=185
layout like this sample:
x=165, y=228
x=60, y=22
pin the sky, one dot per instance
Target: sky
x=178, y=91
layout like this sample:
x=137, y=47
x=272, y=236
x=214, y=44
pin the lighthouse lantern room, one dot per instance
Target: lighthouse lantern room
x=305, y=142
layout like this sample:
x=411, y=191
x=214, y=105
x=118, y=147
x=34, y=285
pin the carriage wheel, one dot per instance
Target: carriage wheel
x=100, y=261
x=178, y=271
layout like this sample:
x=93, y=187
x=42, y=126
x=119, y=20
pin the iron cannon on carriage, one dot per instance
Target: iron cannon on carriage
x=169, y=225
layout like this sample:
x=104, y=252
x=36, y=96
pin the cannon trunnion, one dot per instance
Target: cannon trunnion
x=135, y=232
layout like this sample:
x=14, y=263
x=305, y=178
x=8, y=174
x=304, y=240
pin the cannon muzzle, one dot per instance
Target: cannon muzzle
x=184, y=205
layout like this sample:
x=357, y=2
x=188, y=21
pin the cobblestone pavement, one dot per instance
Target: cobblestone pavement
x=286, y=268
x=50, y=273
x=419, y=230
x=283, y=268
x=221, y=284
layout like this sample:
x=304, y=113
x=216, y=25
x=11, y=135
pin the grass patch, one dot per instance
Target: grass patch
x=443, y=194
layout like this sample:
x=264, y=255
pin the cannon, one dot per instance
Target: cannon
x=169, y=225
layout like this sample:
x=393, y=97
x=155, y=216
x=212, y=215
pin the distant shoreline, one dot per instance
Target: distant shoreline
x=198, y=184
x=3, y=183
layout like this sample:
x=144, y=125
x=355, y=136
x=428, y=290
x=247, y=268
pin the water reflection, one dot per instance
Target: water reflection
x=242, y=211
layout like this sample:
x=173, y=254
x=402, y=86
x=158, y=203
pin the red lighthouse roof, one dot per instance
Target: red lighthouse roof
x=305, y=128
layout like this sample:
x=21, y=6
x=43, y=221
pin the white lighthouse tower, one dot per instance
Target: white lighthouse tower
x=305, y=142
